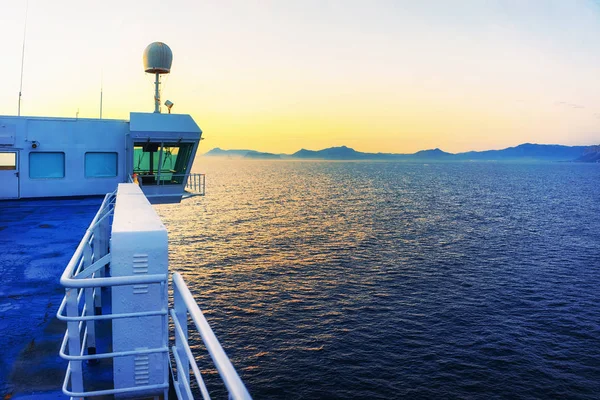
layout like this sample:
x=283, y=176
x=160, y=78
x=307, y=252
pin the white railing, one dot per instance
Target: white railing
x=195, y=184
x=184, y=303
x=83, y=279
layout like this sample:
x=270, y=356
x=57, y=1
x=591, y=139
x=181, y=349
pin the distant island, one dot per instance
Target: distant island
x=523, y=152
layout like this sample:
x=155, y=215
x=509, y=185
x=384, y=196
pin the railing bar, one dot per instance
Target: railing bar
x=93, y=267
x=84, y=341
x=181, y=376
x=79, y=266
x=176, y=387
x=190, y=356
x=62, y=306
x=113, y=354
x=79, y=296
x=67, y=377
x=230, y=377
x=71, y=265
x=63, y=345
x=80, y=325
x=112, y=316
x=112, y=281
x=109, y=212
x=116, y=391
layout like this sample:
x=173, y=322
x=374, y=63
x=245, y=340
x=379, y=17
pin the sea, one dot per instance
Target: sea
x=382, y=280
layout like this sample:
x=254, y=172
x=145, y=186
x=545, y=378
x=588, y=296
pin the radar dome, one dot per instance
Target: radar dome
x=158, y=58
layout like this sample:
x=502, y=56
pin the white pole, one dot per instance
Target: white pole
x=157, y=94
x=23, y=57
x=74, y=345
x=101, y=88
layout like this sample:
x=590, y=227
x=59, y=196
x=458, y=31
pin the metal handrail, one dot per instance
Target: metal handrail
x=72, y=394
x=83, y=279
x=184, y=303
x=84, y=275
x=66, y=278
x=194, y=183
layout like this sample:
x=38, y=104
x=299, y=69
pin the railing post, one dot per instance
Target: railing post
x=183, y=377
x=89, y=303
x=74, y=344
x=98, y=254
x=105, y=228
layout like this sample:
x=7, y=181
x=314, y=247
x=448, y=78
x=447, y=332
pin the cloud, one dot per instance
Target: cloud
x=569, y=105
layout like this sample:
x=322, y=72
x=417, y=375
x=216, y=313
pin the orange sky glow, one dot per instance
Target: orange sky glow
x=390, y=76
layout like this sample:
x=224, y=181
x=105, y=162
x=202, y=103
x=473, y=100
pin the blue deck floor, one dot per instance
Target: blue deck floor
x=37, y=240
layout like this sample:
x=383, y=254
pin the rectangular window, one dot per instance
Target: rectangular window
x=8, y=161
x=46, y=165
x=164, y=163
x=101, y=165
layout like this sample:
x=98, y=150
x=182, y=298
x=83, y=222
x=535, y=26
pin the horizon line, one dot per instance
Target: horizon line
x=430, y=149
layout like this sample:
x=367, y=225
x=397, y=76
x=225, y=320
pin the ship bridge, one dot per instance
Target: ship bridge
x=163, y=147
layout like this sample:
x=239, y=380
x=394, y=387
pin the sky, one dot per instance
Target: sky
x=276, y=76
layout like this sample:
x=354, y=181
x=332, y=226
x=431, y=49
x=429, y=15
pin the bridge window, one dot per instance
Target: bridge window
x=46, y=165
x=163, y=163
x=101, y=165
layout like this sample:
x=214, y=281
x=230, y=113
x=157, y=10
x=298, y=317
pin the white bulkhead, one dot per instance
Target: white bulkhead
x=61, y=157
x=139, y=246
x=58, y=157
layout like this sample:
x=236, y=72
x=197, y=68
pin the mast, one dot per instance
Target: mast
x=23, y=58
x=101, y=88
x=157, y=93
x=157, y=60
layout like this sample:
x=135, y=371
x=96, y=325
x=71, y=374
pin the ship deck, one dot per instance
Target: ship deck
x=37, y=240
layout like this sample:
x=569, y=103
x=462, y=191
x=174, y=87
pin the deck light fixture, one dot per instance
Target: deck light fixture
x=169, y=104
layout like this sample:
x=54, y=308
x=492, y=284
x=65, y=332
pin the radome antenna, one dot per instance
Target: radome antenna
x=158, y=58
x=23, y=57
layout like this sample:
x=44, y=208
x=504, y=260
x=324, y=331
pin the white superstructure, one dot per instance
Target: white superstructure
x=59, y=157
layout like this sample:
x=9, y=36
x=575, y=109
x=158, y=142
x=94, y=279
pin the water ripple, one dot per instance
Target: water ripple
x=386, y=280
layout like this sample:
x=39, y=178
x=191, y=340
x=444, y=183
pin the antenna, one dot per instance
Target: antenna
x=23, y=57
x=158, y=58
x=101, y=87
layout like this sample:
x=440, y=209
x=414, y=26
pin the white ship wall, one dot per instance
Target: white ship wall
x=74, y=138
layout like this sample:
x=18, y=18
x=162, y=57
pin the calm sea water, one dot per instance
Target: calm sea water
x=387, y=280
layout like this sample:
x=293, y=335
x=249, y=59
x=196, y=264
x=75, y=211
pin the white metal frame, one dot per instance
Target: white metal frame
x=183, y=304
x=83, y=279
x=196, y=183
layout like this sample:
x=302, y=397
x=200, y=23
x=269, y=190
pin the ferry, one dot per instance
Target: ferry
x=120, y=321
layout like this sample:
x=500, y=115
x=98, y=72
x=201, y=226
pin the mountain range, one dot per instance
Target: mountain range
x=524, y=152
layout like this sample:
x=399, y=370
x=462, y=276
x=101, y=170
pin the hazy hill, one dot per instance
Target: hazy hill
x=526, y=151
x=217, y=152
x=432, y=154
x=264, y=156
x=591, y=154
x=332, y=153
x=551, y=152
